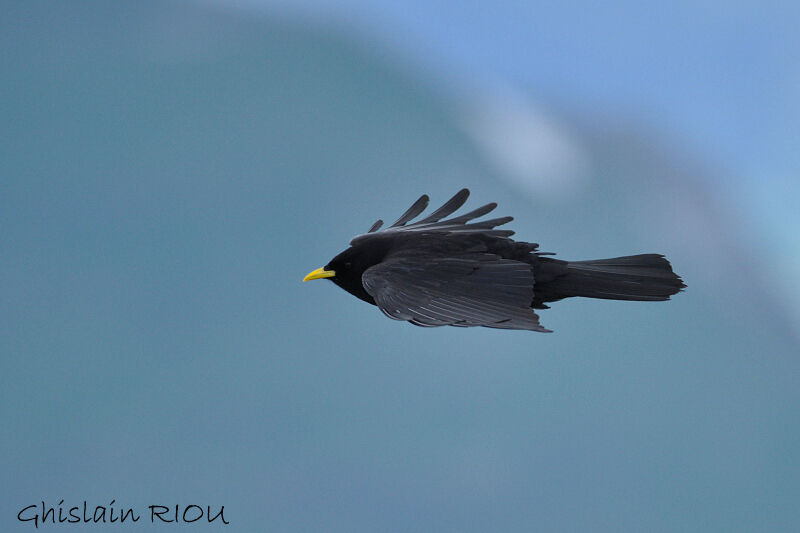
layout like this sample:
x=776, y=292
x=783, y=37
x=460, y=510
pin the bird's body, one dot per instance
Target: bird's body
x=440, y=272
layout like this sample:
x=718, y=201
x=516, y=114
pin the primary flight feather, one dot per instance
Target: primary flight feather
x=455, y=272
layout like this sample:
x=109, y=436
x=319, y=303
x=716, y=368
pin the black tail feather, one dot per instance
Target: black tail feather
x=647, y=277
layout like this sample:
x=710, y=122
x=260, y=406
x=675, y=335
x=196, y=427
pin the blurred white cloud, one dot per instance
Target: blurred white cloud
x=524, y=144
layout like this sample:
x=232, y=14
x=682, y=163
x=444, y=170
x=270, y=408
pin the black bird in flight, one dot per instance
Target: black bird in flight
x=455, y=272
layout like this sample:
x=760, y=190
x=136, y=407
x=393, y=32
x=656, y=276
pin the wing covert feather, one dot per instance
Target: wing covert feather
x=465, y=291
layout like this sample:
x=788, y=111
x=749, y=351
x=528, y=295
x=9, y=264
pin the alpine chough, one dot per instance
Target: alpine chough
x=456, y=272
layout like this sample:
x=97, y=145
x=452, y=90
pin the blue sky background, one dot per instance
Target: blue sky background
x=723, y=79
x=719, y=82
x=172, y=170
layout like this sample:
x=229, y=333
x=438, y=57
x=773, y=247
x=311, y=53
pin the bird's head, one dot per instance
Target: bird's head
x=346, y=269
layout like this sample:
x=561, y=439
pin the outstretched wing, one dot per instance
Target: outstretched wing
x=438, y=222
x=478, y=289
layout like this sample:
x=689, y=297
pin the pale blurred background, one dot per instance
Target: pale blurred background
x=171, y=170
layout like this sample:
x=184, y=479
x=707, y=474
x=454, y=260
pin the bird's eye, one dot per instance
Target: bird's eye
x=348, y=264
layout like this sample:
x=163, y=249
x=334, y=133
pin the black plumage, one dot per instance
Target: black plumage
x=456, y=272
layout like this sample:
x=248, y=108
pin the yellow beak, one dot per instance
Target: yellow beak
x=319, y=274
